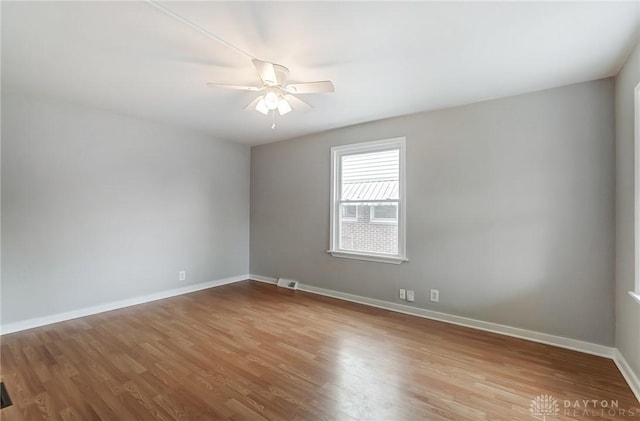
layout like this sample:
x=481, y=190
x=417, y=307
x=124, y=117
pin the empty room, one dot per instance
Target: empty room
x=298, y=211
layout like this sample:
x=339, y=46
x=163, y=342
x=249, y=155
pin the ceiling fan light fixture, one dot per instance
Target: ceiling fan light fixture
x=261, y=106
x=275, y=94
x=284, y=107
x=271, y=100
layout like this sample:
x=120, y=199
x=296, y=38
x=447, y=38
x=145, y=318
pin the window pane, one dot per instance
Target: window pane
x=385, y=212
x=349, y=211
x=363, y=235
x=371, y=176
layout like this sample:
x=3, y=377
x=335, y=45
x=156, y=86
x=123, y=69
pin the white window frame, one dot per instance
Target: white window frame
x=382, y=221
x=350, y=219
x=337, y=152
x=636, y=113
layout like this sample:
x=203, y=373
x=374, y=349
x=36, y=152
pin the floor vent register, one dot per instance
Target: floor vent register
x=5, y=400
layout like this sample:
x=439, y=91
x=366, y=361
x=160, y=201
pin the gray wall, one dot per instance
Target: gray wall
x=509, y=211
x=98, y=207
x=627, y=310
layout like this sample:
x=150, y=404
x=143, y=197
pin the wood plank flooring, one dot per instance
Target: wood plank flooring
x=251, y=351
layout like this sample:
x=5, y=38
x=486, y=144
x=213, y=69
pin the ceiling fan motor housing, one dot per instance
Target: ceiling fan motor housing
x=282, y=73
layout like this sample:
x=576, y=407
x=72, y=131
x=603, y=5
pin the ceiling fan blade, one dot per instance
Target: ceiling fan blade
x=266, y=71
x=238, y=87
x=310, y=87
x=252, y=104
x=297, y=103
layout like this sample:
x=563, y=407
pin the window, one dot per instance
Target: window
x=349, y=213
x=636, y=293
x=385, y=214
x=368, y=201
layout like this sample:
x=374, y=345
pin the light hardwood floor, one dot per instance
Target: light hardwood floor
x=251, y=351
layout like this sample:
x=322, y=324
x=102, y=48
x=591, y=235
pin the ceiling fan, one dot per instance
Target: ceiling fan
x=277, y=94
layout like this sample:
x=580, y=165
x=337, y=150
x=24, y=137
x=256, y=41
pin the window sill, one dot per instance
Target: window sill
x=635, y=296
x=370, y=257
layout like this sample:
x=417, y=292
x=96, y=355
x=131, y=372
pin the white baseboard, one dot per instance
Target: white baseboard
x=545, y=338
x=265, y=279
x=587, y=347
x=628, y=374
x=573, y=344
x=60, y=317
x=559, y=341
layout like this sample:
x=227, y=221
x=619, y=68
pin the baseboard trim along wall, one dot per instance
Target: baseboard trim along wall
x=265, y=279
x=573, y=344
x=559, y=341
x=632, y=380
x=101, y=308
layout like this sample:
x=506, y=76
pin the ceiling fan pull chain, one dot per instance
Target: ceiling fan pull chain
x=273, y=126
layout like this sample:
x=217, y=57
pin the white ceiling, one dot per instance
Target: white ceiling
x=385, y=59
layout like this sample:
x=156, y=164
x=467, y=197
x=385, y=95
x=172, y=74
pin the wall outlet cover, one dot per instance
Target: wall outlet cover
x=435, y=295
x=403, y=294
x=411, y=295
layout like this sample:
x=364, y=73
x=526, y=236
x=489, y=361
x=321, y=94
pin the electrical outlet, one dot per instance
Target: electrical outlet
x=182, y=275
x=403, y=294
x=435, y=295
x=411, y=297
